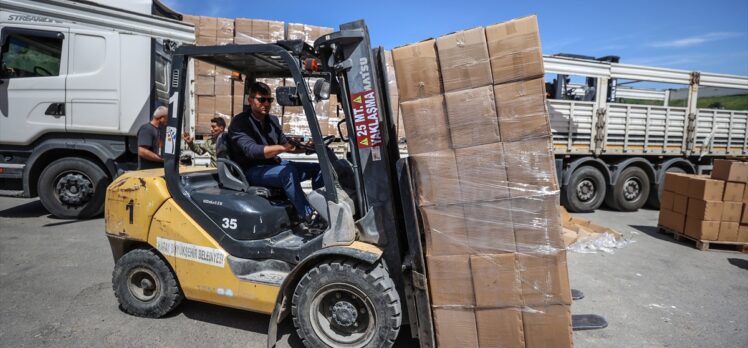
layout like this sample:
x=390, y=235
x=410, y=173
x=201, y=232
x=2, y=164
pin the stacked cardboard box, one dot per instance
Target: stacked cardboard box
x=708, y=209
x=478, y=137
x=394, y=96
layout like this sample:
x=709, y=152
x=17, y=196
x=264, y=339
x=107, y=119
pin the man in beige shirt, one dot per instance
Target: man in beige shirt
x=217, y=127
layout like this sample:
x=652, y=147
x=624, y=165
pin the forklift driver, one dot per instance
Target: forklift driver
x=256, y=139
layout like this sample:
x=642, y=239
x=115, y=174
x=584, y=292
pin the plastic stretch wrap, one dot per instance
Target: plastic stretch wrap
x=485, y=183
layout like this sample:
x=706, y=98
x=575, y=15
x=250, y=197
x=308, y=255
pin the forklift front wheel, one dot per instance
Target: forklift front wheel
x=145, y=285
x=345, y=303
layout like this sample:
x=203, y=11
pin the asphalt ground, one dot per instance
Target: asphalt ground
x=55, y=290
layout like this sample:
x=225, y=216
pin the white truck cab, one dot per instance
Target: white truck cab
x=77, y=80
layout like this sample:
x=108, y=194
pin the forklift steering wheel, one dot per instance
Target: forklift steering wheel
x=327, y=140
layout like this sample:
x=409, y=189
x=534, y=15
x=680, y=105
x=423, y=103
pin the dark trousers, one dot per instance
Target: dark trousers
x=288, y=176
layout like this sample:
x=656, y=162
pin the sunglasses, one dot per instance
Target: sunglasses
x=265, y=99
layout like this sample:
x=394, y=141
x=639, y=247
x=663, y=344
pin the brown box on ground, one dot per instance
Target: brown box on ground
x=472, y=117
x=223, y=107
x=705, y=188
x=455, y=328
x=727, y=170
x=521, y=109
x=744, y=216
x=530, y=167
x=680, y=203
x=673, y=220
x=728, y=231
x=702, y=230
x=536, y=222
x=463, y=59
x=666, y=200
x=417, y=70
x=496, y=280
x=545, y=279
x=436, y=177
x=548, y=326
x=482, y=172
x=733, y=192
x=704, y=210
x=514, y=49
x=500, y=327
x=206, y=104
x=732, y=211
x=426, y=125
x=450, y=280
x=445, y=230
x=489, y=227
x=674, y=182
x=743, y=233
x=204, y=85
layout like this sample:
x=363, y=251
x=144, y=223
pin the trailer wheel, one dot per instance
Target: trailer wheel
x=654, y=195
x=345, y=303
x=630, y=191
x=585, y=191
x=73, y=188
x=145, y=285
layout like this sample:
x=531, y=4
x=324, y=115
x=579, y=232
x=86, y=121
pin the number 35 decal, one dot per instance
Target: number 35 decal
x=229, y=223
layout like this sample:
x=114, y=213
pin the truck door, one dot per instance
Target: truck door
x=33, y=69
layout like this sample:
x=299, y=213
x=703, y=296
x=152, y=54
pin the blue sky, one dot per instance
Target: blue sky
x=693, y=35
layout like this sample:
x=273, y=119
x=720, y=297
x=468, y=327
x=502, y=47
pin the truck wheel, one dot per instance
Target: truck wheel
x=145, y=285
x=631, y=190
x=654, y=195
x=73, y=188
x=344, y=303
x=585, y=191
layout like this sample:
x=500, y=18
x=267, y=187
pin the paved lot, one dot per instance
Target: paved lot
x=55, y=290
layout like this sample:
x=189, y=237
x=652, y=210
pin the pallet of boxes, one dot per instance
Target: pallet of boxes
x=479, y=142
x=711, y=211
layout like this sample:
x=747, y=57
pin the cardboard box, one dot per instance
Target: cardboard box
x=455, y=328
x=208, y=26
x=548, y=326
x=530, y=167
x=537, y=224
x=436, y=177
x=482, y=172
x=472, y=117
x=206, y=104
x=732, y=211
x=745, y=195
x=500, y=327
x=463, y=59
x=489, y=227
x=728, y=231
x=496, y=280
x=426, y=125
x=734, y=192
x=666, y=200
x=223, y=107
x=225, y=28
x=445, y=230
x=680, y=203
x=727, y=170
x=743, y=233
x=544, y=278
x=702, y=230
x=704, y=210
x=744, y=217
x=521, y=109
x=514, y=49
x=705, y=188
x=450, y=280
x=417, y=71
x=204, y=85
x=673, y=220
x=677, y=182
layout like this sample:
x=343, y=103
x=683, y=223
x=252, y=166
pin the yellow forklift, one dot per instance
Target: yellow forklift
x=210, y=236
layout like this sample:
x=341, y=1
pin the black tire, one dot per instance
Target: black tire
x=73, y=188
x=145, y=285
x=654, y=195
x=630, y=192
x=331, y=300
x=585, y=191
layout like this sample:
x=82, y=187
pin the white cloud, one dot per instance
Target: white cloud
x=697, y=40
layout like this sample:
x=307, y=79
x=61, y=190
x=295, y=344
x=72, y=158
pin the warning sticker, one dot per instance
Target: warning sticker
x=171, y=134
x=192, y=252
x=366, y=119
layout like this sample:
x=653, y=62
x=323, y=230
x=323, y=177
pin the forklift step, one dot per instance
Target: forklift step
x=265, y=277
x=588, y=322
x=576, y=294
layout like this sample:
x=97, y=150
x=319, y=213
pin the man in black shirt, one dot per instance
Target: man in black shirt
x=256, y=139
x=149, y=141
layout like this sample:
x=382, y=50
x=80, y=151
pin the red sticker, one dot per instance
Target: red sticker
x=366, y=119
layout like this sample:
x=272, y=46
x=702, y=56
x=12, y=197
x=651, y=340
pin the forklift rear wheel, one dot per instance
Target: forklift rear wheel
x=345, y=303
x=145, y=285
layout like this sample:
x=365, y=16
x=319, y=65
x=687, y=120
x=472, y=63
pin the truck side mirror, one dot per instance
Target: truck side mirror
x=321, y=90
x=287, y=96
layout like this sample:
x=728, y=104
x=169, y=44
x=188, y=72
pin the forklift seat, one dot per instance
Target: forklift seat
x=230, y=175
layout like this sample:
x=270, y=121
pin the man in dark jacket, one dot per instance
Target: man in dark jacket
x=256, y=139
